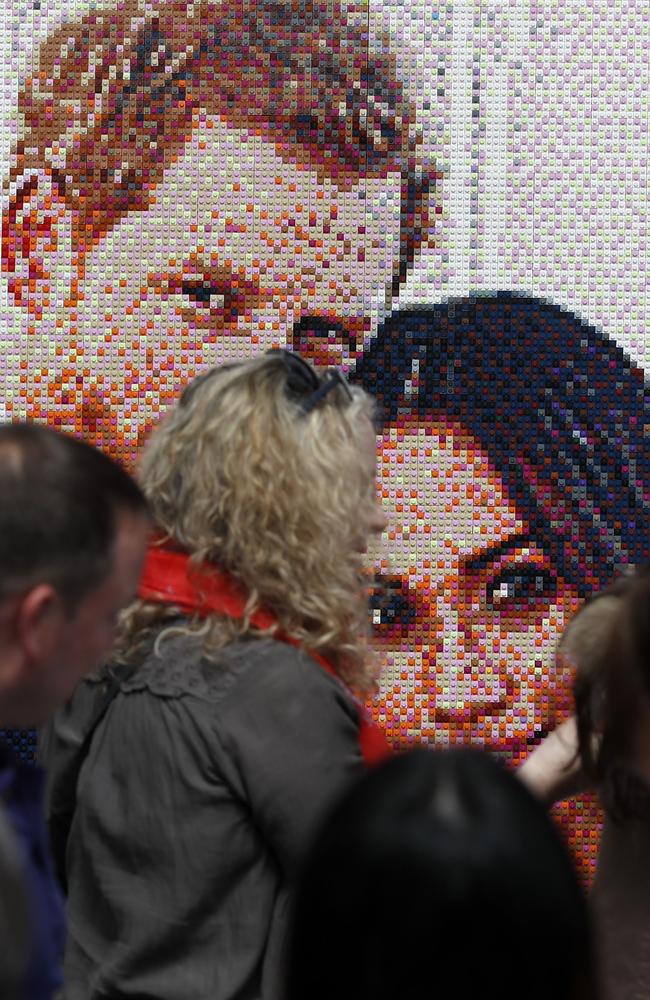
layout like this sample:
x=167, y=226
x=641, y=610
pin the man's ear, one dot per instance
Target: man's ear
x=36, y=241
x=38, y=623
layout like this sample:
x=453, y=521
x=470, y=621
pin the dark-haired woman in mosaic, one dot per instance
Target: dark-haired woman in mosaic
x=188, y=180
x=517, y=482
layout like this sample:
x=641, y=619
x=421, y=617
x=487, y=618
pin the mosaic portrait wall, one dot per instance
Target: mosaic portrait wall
x=448, y=199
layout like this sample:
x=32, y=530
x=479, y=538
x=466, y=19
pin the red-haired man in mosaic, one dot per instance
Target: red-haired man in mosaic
x=189, y=181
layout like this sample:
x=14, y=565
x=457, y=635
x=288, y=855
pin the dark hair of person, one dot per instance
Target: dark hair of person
x=608, y=694
x=14, y=916
x=58, y=503
x=559, y=409
x=439, y=874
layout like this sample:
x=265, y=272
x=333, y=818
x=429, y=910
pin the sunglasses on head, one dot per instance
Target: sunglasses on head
x=304, y=383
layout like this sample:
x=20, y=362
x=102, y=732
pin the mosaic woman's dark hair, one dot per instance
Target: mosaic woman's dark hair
x=559, y=408
x=431, y=857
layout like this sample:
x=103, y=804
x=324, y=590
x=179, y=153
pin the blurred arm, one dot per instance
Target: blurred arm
x=553, y=771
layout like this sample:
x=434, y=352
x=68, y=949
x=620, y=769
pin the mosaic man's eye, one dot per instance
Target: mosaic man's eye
x=202, y=294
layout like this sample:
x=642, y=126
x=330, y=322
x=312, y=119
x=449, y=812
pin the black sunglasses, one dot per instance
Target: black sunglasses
x=304, y=383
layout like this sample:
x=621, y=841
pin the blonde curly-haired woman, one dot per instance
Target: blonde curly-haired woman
x=205, y=755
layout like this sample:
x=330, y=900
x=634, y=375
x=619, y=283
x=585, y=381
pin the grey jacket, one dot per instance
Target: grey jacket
x=201, y=789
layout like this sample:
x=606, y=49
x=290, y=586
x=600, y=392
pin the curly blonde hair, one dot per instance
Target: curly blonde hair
x=283, y=500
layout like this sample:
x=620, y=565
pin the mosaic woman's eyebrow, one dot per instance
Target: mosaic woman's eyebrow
x=480, y=560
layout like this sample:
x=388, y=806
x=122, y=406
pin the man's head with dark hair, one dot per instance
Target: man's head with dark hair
x=73, y=528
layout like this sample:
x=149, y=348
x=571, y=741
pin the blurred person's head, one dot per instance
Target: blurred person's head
x=439, y=874
x=73, y=530
x=189, y=180
x=609, y=644
x=266, y=470
x=515, y=474
x=14, y=916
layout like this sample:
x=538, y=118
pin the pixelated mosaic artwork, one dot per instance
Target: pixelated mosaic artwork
x=441, y=198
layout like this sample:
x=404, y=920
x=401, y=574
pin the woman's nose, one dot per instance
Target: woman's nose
x=467, y=671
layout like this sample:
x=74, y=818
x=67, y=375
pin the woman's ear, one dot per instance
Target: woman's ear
x=37, y=245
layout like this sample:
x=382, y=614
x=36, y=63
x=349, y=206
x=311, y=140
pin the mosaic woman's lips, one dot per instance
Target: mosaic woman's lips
x=478, y=710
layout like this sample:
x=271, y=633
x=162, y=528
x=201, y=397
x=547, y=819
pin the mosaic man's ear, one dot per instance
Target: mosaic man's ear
x=37, y=242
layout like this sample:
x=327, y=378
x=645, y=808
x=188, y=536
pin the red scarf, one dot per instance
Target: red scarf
x=168, y=578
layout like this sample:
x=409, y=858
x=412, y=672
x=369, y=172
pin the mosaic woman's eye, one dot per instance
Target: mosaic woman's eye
x=519, y=588
x=392, y=606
